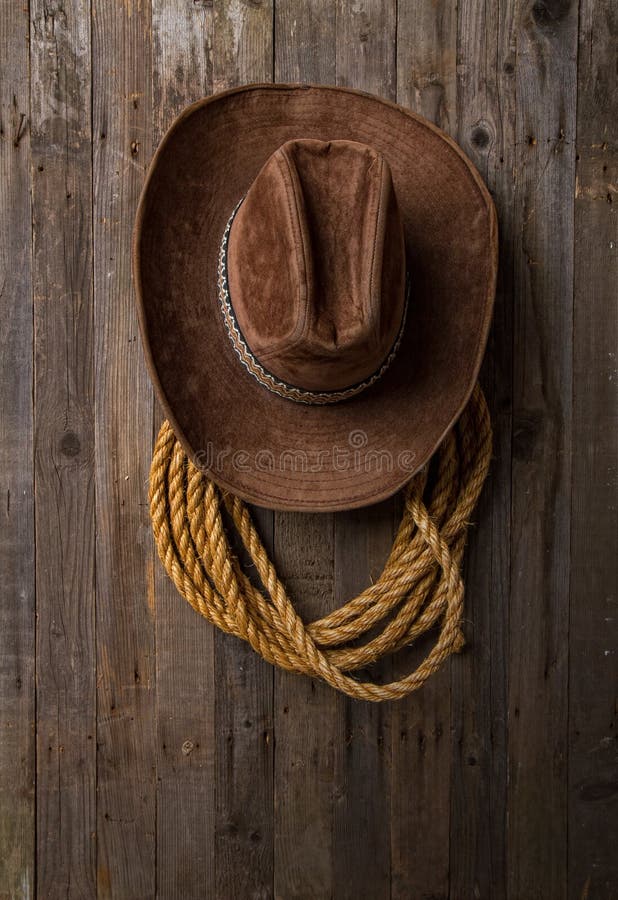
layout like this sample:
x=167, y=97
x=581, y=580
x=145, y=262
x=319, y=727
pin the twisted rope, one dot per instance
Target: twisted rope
x=420, y=587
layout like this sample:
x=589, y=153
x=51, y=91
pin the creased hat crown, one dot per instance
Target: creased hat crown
x=315, y=268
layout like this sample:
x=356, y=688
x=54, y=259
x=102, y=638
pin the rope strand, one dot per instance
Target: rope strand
x=420, y=586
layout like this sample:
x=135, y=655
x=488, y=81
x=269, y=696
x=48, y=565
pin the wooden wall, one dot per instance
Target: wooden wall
x=141, y=754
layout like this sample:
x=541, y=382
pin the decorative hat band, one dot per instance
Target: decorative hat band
x=261, y=374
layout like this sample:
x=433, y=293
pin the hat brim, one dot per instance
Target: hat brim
x=269, y=450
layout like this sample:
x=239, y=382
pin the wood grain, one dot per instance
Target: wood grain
x=305, y=721
x=182, y=37
x=427, y=60
x=169, y=760
x=305, y=710
x=244, y=839
x=366, y=59
x=593, y=639
x=126, y=732
x=421, y=750
x=64, y=450
x=17, y=551
x=362, y=750
x=541, y=464
x=486, y=131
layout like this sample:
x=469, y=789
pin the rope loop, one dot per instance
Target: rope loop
x=420, y=587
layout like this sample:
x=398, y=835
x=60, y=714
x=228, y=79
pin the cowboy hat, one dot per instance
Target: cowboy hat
x=315, y=271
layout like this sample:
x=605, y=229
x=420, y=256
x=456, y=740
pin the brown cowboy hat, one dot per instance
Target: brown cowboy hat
x=315, y=271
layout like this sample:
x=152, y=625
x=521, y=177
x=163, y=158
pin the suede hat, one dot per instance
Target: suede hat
x=315, y=270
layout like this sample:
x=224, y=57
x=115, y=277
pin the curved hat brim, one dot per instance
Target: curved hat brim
x=266, y=449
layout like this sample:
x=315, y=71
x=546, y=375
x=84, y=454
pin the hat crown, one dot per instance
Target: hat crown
x=315, y=263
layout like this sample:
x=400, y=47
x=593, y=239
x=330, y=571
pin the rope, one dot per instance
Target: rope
x=420, y=587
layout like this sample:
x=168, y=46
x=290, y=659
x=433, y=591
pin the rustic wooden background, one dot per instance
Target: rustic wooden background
x=141, y=754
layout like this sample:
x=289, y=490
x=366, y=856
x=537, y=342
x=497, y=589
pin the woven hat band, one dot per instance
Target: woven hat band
x=260, y=372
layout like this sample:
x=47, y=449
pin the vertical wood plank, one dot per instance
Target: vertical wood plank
x=243, y=42
x=542, y=385
x=243, y=53
x=362, y=768
x=427, y=60
x=122, y=136
x=421, y=750
x=64, y=449
x=17, y=624
x=339, y=811
x=365, y=58
x=182, y=73
x=305, y=41
x=305, y=721
x=486, y=131
x=366, y=48
x=593, y=668
x=305, y=711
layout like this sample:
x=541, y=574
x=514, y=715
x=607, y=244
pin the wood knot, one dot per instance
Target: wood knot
x=527, y=430
x=70, y=444
x=547, y=14
x=480, y=136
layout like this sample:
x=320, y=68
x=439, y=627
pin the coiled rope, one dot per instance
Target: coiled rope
x=420, y=587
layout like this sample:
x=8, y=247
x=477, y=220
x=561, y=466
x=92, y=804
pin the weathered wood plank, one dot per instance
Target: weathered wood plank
x=305, y=724
x=17, y=623
x=593, y=642
x=486, y=131
x=243, y=43
x=347, y=817
x=126, y=738
x=366, y=48
x=542, y=386
x=421, y=751
x=427, y=59
x=243, y=53
x=365, y=58
x=304, y=34
x=182, y=73
x=182, y=37
x=64, y=450
x=362, y=750
x=305, y=721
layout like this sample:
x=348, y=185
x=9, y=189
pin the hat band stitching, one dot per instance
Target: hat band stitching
x=268, y=379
